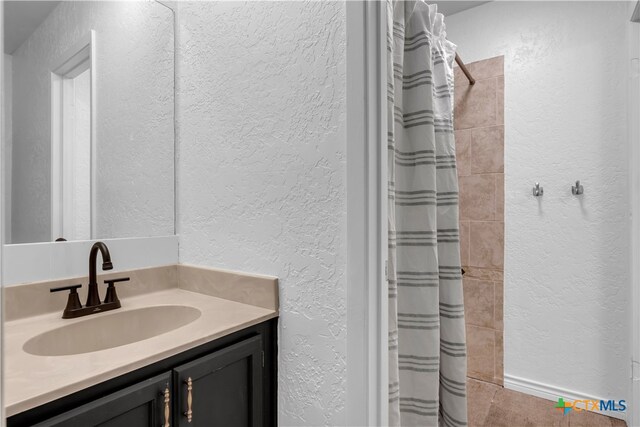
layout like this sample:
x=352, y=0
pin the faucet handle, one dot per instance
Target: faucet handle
x=71, y=288
x=73, y=302
x=111, y=296
x=110, y=282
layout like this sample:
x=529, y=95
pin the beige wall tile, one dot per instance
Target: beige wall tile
x=499, y=357
x=463, y=152
x=487, y=244
x=499, y=197
x=477, y=197
x=498, y=309
x=480, y=353
x=479, y=124
x=480, y=70
x=475, y=106
x=487, y=150
x=464, y=242
x=483, y=274
x=479, y=303
x=500, y=100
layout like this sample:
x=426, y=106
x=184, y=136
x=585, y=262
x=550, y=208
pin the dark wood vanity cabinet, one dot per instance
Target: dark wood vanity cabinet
x=228, y=382
x=141, y=404
x=224, y=388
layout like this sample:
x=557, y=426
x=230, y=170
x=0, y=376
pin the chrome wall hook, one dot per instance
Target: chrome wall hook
x=577, y=189
x=537, y=190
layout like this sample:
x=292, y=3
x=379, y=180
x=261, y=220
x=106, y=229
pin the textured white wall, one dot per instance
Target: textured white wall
x=81, y=187
x=566, y=259
x=634, y=191
x=262, y=175
x=7, y=146
x=2, y=183
x=135, y=144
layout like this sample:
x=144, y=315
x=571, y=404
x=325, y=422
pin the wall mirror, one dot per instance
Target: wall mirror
x=89, y=120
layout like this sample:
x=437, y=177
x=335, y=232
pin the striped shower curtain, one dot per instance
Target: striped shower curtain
x=427, y=349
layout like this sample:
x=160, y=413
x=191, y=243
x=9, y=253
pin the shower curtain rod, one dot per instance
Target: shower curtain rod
x=465, y=70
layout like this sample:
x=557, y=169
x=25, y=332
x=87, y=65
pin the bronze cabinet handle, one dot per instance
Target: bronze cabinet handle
x=189, y=413
x=167, y=411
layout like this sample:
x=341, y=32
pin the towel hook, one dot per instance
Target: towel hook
x=577, y=189
x=537, y=190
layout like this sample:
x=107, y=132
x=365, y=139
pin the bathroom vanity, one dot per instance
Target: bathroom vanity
x=189, y=347
x=91, y=156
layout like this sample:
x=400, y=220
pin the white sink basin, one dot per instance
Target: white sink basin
x=110, y=330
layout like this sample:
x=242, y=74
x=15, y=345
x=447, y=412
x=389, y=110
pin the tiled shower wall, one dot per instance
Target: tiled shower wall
x=479, y=132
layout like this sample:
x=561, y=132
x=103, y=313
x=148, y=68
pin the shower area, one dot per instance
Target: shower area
x=523, y=130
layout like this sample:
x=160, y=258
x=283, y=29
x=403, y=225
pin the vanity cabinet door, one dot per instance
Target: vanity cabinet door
x=222, y=389
x=146, y=404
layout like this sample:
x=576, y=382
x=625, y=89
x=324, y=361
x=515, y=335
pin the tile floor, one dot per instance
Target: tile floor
x=491, y=405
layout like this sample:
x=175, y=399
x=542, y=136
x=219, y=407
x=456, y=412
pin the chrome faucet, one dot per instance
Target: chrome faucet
x=93, y=298
x=94, y=305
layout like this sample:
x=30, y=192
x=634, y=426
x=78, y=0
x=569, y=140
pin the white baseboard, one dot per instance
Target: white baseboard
x=552, y=393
